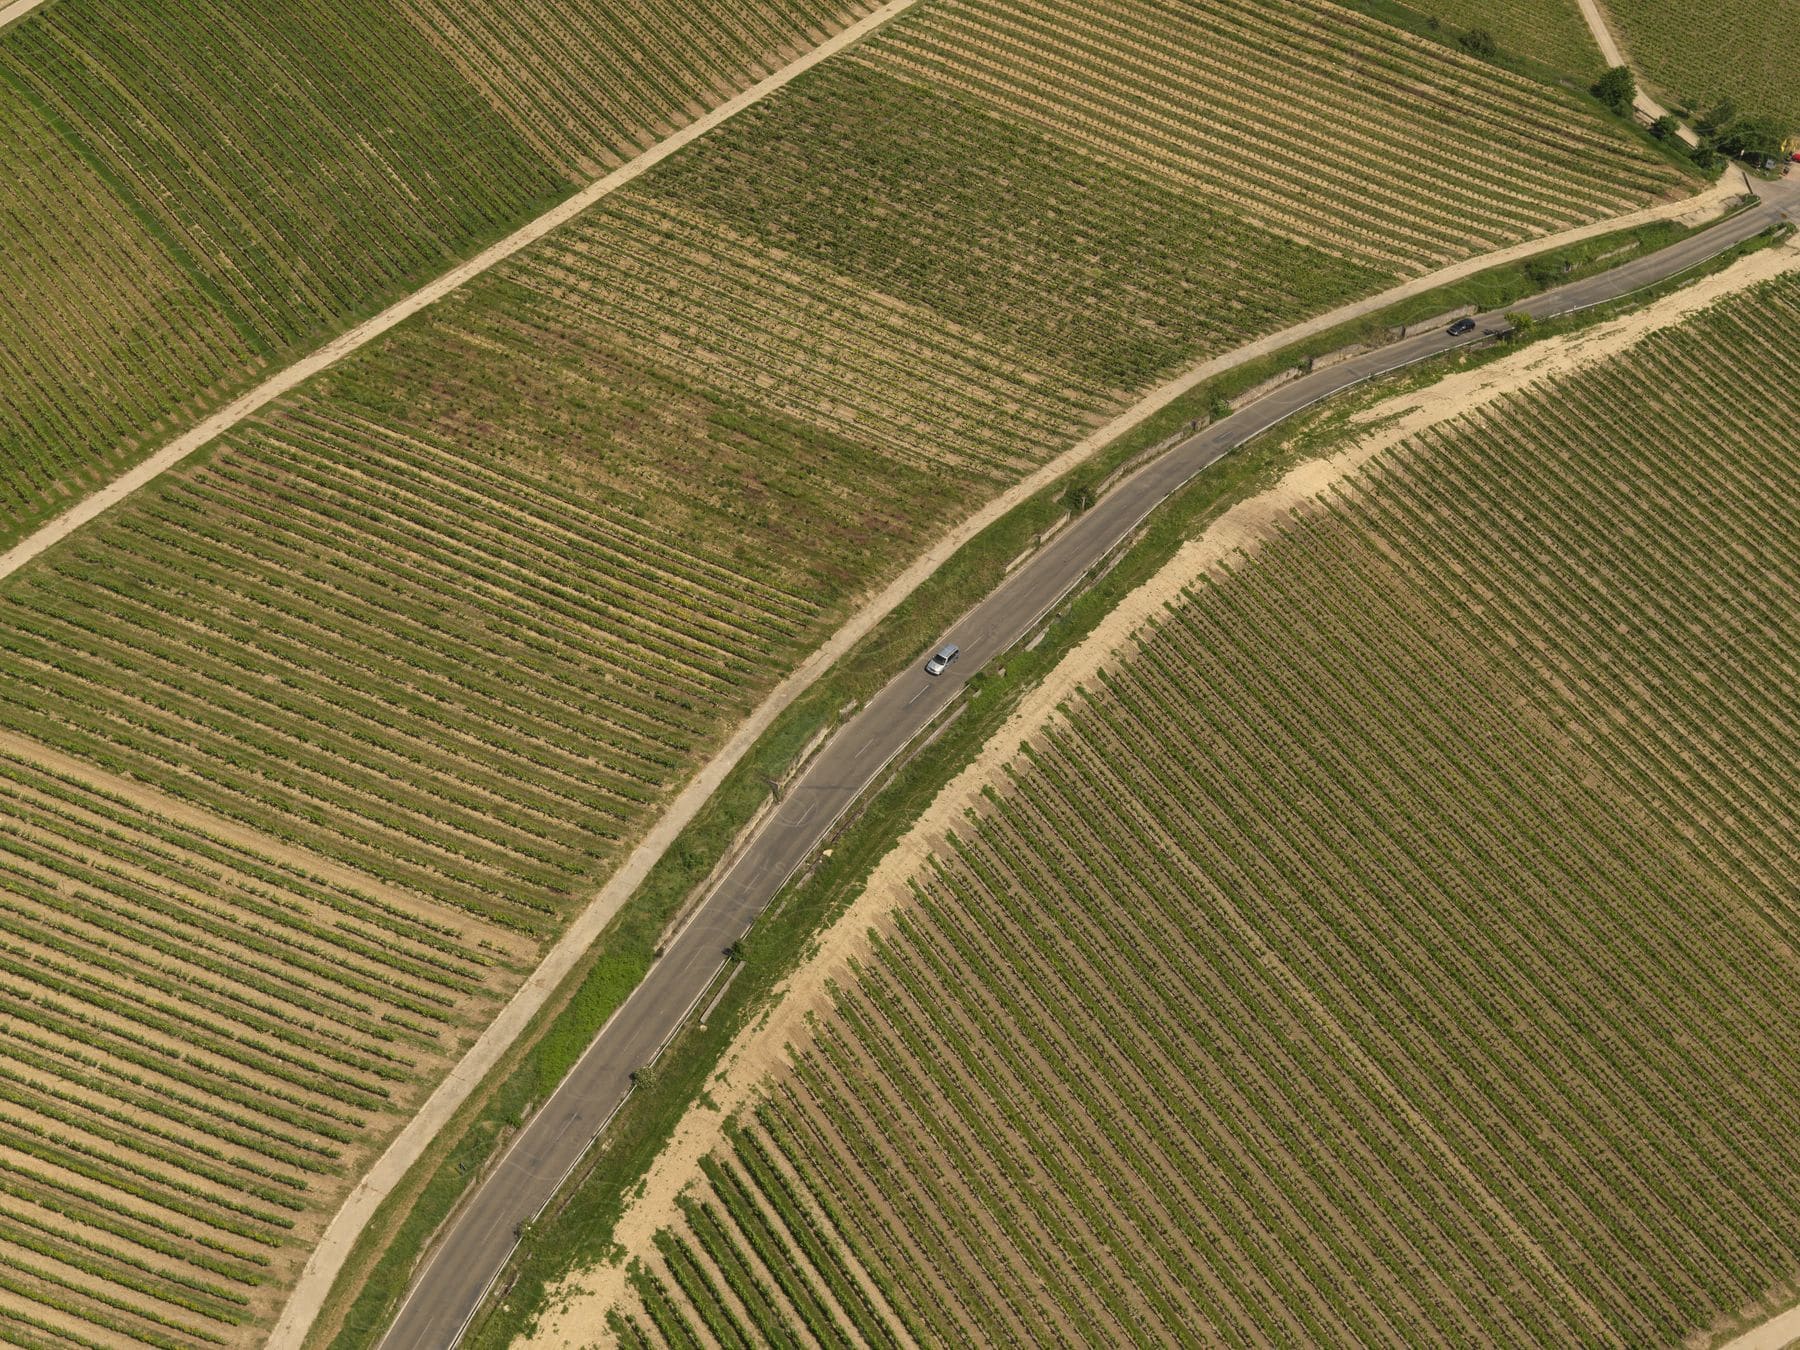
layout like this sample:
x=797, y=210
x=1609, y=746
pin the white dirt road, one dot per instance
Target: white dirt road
x=1780, y=1332
x=16, y=10
x=1610, y=53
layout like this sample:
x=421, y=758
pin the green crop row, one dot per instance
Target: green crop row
x=1308, y=119
x=1541, y=30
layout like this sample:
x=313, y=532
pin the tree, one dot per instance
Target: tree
x=1078, y=498
x=1520, y=325
x=1664, y=128
x=1479, y=42
x=1753, y=138
x=1617, y=89
x=1545, y=272
x=1716, y=118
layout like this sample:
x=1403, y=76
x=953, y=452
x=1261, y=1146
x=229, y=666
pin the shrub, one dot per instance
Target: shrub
x=1753, y=138
x=1078, y=498
x=1617, y=89
x=1716, y=118
x=1479, y=42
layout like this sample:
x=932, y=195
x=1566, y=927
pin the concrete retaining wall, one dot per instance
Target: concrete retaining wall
x=1443, y=320
x=1256, y=391
x=1327, y=359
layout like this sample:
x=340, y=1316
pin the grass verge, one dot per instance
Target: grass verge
x=376, y=1275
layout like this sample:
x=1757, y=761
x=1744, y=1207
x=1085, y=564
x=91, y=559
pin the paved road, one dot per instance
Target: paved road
x=455, y=1280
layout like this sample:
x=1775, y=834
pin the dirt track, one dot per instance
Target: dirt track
x=1780, y=1332
x=1610, y=53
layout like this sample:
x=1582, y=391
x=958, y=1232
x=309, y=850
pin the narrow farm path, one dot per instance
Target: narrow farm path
x=1609, y=51
x=344, y=344
x=578, y=1308
x=409, y=1146
x=1780, y=1332
x=16, y=10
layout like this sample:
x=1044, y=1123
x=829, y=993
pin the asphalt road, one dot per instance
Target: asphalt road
x=480, y=1240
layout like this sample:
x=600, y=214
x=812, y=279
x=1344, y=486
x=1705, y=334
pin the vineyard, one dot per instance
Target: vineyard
x=465, y=611
x=1738, y=50
x=202, y=1037
x=1309, y=119
x=459, y=615
x=1550, y=31
x=235, y=184
x=471, y=682
x=1107, y=277
x=105, y=333
x=249, y=182
x=1394, y=949
x=589, y=84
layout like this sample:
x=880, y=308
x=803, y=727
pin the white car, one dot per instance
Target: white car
x=941, y=659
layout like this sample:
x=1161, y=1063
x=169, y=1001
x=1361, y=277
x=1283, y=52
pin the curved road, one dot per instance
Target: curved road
x=481, y=1238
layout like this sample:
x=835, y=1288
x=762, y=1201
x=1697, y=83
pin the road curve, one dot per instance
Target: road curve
x=470, y=1255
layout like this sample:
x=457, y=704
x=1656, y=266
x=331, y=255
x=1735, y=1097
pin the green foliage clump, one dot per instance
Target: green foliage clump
x=1617, y=89
x=1479, y=42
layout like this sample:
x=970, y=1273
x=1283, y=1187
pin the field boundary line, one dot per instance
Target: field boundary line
x=235, y=835
x=344, y=344
x=346, y=1226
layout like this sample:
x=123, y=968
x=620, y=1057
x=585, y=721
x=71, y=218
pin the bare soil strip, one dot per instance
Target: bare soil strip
x=360, y=336
x=226, y=831
x=579, y=1307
